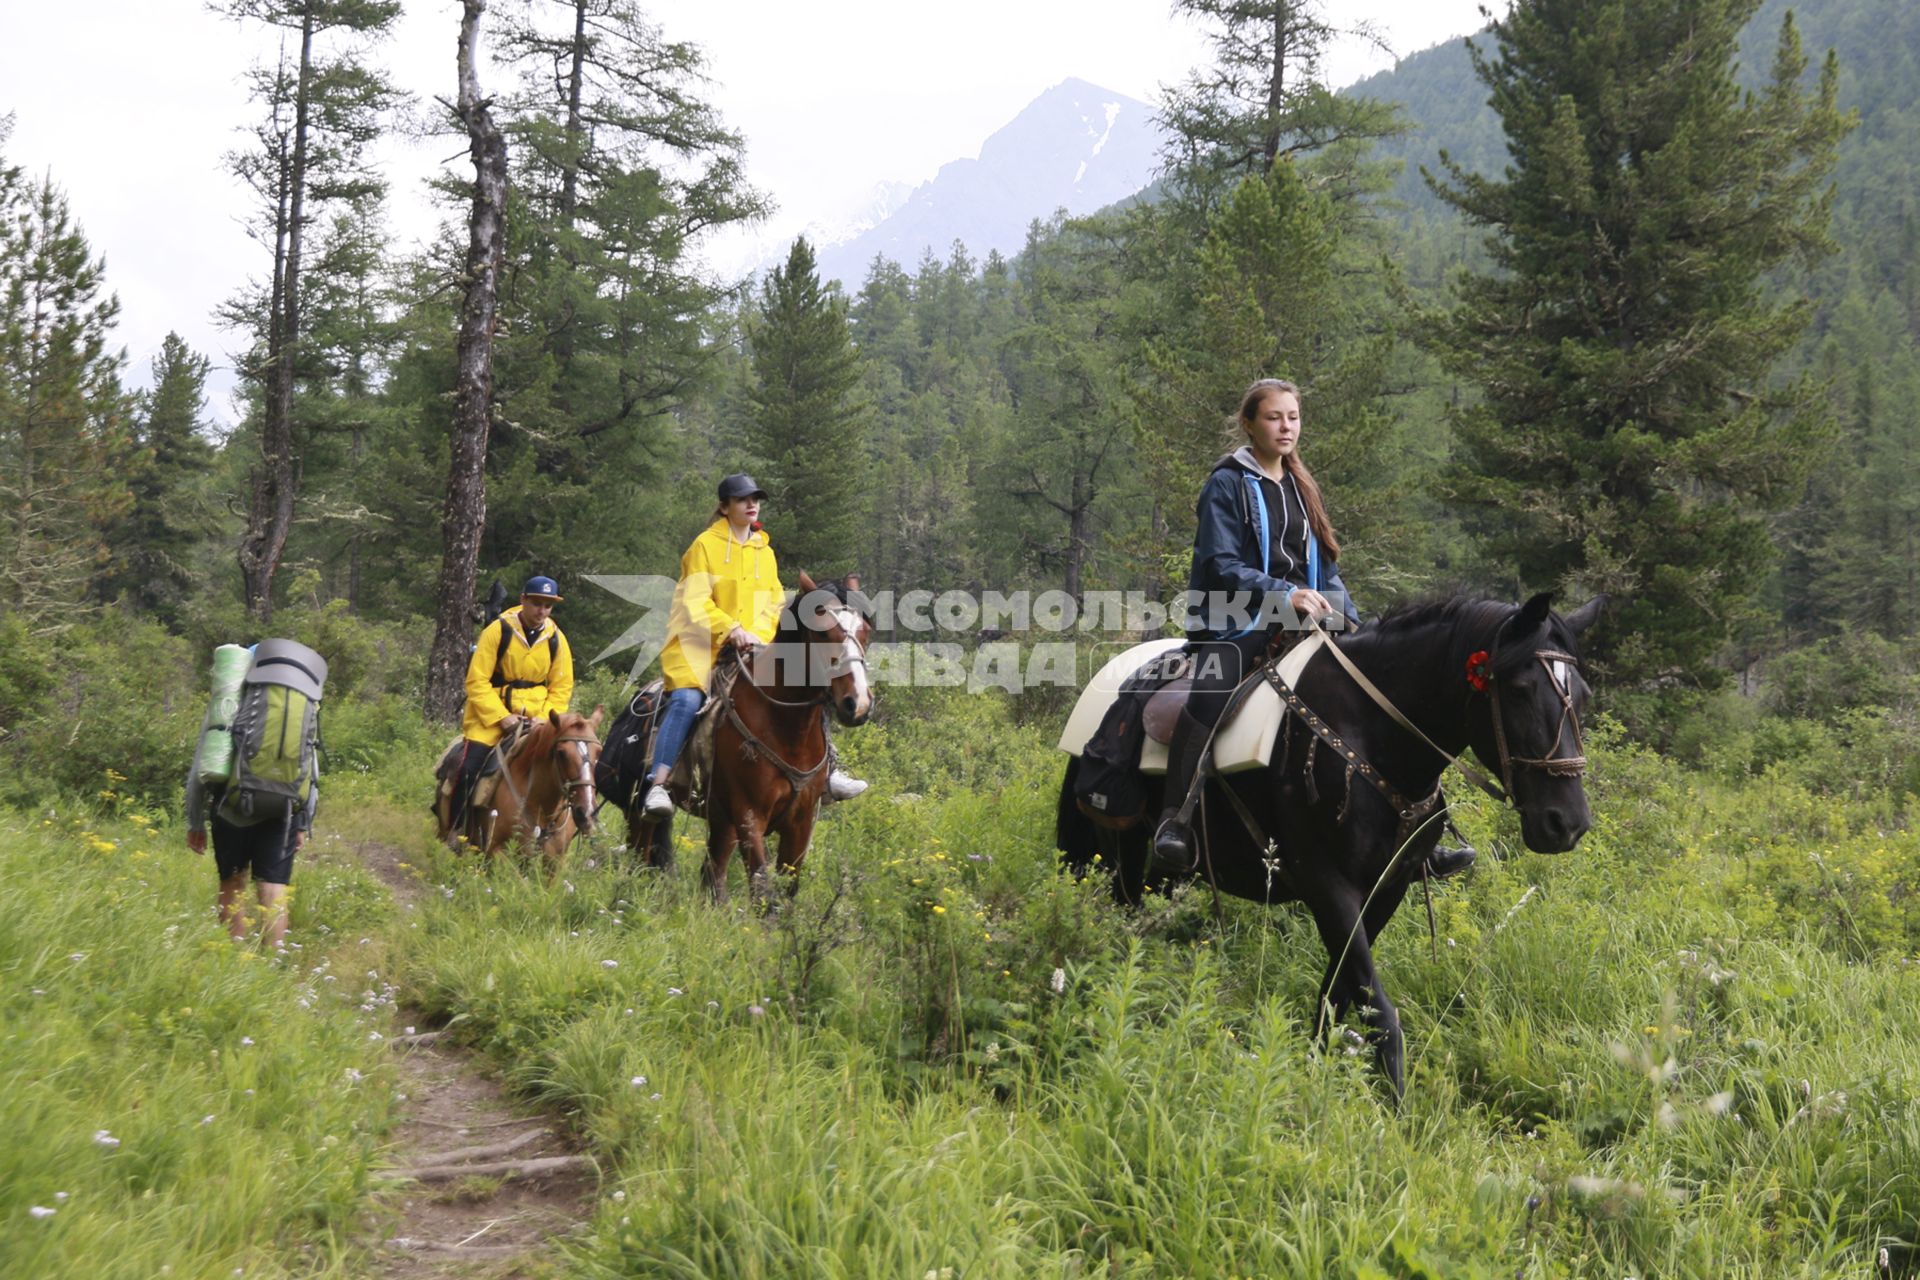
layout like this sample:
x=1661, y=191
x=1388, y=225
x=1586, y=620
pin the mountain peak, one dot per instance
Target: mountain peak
x=1076, y=146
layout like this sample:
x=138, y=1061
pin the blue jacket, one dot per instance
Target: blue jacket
x=1227, y=552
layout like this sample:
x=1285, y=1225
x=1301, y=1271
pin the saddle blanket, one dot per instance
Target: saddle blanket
x=1244, y=743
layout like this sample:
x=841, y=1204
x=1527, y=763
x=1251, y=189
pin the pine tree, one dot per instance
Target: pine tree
x=63, y=441
x=808, y=421
x=1630, y=438
x=1264, y=100
x=323, y=107
x=154, y=544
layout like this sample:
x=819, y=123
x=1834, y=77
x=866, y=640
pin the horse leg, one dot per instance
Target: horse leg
x=649, y=840
x=660, y=852
x=795, y=836
x=1352, y=979
x=721, y=837
x=751, y=829
x=553, y=846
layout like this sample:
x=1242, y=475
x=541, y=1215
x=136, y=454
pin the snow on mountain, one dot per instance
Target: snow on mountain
x=1076, y=147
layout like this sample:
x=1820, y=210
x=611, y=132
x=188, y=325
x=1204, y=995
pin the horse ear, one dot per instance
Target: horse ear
x=1531, y=617
x=1586, y=615
x=807, y=583
x=553, y=718
x=599, y=713
x=852, y=582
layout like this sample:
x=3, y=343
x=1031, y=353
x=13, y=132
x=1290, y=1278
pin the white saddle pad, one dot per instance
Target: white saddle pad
x=1244, y=743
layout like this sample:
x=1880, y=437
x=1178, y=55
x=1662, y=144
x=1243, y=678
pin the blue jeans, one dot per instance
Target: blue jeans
x=676, y=722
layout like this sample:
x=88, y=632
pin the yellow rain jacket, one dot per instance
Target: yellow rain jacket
x=543, y=671
x=722, y=582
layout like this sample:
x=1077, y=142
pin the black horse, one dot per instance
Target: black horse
x=1500, y=678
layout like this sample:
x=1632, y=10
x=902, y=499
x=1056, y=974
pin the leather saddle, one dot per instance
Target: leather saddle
x=1163, y=709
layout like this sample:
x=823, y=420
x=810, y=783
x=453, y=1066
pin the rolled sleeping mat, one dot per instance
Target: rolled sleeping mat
x=289, y=663
x=213, y=758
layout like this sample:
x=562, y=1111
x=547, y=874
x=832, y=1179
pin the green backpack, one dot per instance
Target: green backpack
x=276, y=734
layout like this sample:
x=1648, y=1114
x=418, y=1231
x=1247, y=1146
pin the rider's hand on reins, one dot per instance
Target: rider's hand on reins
x=741, y=638
x=1309, y=603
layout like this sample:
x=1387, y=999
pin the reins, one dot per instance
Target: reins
x=568, y=786
x=753, y=746
x=1561, y=766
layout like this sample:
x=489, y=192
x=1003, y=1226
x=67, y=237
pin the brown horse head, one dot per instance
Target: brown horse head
x=835, y=623
x=573, y=752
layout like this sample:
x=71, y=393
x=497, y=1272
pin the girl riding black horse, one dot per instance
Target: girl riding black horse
x=1265, y=557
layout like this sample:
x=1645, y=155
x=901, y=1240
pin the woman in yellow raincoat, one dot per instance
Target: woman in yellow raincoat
x=729, y=594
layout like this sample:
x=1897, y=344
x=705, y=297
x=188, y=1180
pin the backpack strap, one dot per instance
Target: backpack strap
x=500, y=681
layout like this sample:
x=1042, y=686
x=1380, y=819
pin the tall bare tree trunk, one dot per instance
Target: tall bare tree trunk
x=466, y=510
x=270, y=510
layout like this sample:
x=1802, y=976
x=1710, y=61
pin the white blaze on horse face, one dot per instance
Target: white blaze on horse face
x=853, y=660
x=1560, y=675
x=586, y=778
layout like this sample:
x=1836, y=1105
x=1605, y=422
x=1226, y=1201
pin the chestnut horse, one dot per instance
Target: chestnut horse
x=770, y=756
x=543, y=794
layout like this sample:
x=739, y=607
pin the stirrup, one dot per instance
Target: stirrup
x=659, y=803
x=843, y=786
x=1171, y=853
x=1449, y=860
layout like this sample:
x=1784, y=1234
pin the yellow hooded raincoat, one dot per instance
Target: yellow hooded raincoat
x=722, y=582
x=550, y=674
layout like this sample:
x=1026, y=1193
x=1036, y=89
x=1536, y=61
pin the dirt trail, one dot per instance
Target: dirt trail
x=492, y=1184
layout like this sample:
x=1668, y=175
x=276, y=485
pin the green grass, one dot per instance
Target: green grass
x=1687, y=1049
x=1691, y=1048
x=182, y=1105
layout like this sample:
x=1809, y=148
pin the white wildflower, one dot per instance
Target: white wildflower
x=1059, y=981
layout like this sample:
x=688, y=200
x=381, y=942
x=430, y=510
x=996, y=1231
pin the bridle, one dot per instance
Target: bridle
x=853, y=654
x=570, y=787
x=1559, y=766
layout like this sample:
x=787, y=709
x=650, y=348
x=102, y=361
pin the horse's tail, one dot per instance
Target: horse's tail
x=1073, y=832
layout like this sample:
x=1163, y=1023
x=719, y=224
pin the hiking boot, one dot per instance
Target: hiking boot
x=1172, y=850
x=658, y=804
x=843, y=786
x=1449, y=860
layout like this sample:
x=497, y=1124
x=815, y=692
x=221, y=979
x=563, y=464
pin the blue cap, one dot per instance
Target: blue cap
x=541, y=585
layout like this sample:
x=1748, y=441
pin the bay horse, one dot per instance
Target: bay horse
x=1504, y=679
x=770, y=750
x=543, y=794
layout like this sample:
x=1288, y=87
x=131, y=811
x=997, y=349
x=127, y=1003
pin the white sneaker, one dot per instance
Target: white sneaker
x=843, y=786
x=658, y=803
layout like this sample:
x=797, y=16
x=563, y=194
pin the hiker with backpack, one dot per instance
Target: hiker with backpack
x=521, y=669
x=255, y=777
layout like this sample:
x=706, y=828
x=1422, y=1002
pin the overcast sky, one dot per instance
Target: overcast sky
x=133, y=116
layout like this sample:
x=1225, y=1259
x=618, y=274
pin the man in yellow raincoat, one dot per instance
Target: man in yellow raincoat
x=521, y=669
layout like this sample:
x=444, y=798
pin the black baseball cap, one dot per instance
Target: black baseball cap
x=740, y=485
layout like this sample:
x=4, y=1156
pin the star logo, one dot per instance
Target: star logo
x=653, y=594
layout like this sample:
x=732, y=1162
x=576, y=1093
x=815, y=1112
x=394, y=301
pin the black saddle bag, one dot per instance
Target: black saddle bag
x=1109, y=787
x=629, y=748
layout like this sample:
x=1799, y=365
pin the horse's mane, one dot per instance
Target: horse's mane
x=790, y=628
x=1470, y=622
